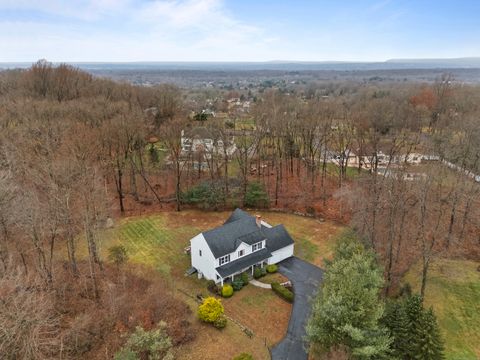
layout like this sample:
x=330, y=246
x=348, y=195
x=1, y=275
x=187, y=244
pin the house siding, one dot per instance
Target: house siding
x=203, y=263
x=281, y=254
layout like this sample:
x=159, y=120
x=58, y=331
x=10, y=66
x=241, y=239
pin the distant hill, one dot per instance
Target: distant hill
x=467, y=62
x=393, y=64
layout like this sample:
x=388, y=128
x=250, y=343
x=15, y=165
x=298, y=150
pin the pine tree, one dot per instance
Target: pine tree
x=396, y=320
x=413, y=311
x=348, y=310
x=429, y=343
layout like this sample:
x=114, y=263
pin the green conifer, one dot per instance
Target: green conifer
x=429, y=343
x=413, y=312
x=396, y=321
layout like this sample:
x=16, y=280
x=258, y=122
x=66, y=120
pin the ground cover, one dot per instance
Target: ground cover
x=453, y=290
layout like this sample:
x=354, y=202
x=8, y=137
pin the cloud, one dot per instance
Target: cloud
x=127, y=30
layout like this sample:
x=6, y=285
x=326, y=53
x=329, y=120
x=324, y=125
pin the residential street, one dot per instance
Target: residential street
x=305, y=278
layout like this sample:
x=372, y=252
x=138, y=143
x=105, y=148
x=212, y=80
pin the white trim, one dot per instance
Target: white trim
x=224, y=260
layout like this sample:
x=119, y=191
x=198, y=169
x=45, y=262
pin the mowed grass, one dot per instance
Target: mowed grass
x=156, y=242
x=453, y=289
x=150, y=241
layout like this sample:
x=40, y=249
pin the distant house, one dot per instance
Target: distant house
x=240, y=244
x=202, y=139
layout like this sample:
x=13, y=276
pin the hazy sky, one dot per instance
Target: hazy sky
x=237, y=30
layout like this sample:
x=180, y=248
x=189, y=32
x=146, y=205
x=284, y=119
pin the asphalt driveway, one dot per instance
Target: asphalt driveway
x=305, y=278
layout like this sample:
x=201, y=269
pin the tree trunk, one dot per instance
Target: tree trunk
x=118, y=182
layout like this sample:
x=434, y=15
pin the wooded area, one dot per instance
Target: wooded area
x=78, y=151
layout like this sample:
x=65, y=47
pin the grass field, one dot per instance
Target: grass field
x=453, y=289
x=157, y=242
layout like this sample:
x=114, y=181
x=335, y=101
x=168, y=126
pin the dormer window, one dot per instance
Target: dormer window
x=224, y=259
x=257, y=246
x=241, y=253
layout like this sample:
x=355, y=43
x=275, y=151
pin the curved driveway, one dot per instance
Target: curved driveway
x=305, y=278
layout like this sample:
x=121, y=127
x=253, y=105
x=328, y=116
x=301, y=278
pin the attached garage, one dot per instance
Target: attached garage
x=281, y=254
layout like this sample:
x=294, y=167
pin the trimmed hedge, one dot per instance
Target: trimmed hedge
x=227, y=291
x=244, y=278
x=221, y=322
x=237, y=284
x=259, y=272
x=272, y=268
x=283, y=292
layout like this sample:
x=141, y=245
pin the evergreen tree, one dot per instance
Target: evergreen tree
x=429, y=344
x=397, y=322
x=348, y=309
x=414, y=330
x=413, y=311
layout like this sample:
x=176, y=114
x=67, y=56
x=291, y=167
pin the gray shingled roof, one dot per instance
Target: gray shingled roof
x=237, y=214
x=243, y=263
x=226, y=238
x=242, y=227
x=277, y=237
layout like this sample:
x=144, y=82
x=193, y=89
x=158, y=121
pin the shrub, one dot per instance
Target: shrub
x=244, y=278
x=118, y=255
x=259, y=272
x=272, y=268
x=227, y=291
x=237, y=284
x=152, y=344
x=207, y=195
x=221, y=322
x=256, y=196
x=126, y=354
x=243, y=356
x=282, y=291
x=210, y=310
x=153, y=154
x=211, y=286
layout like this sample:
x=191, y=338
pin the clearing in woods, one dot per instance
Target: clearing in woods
x=157, y=241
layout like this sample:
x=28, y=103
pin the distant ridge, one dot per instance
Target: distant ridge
x=280, y=65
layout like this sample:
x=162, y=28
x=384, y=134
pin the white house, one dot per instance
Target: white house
x=240, y=244
x=206, y=140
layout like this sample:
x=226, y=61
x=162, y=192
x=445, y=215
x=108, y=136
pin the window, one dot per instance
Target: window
x=200, y=252
x=257, y=246
x=224, y=259
x=241, y=253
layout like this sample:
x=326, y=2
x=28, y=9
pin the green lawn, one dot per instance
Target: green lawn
x=158, y=240
x=453, y=289
x=352, y=172
x=151, y=241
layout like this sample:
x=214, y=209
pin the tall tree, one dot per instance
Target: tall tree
x=348, y=310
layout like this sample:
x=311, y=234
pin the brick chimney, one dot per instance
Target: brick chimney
x=258, y=220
